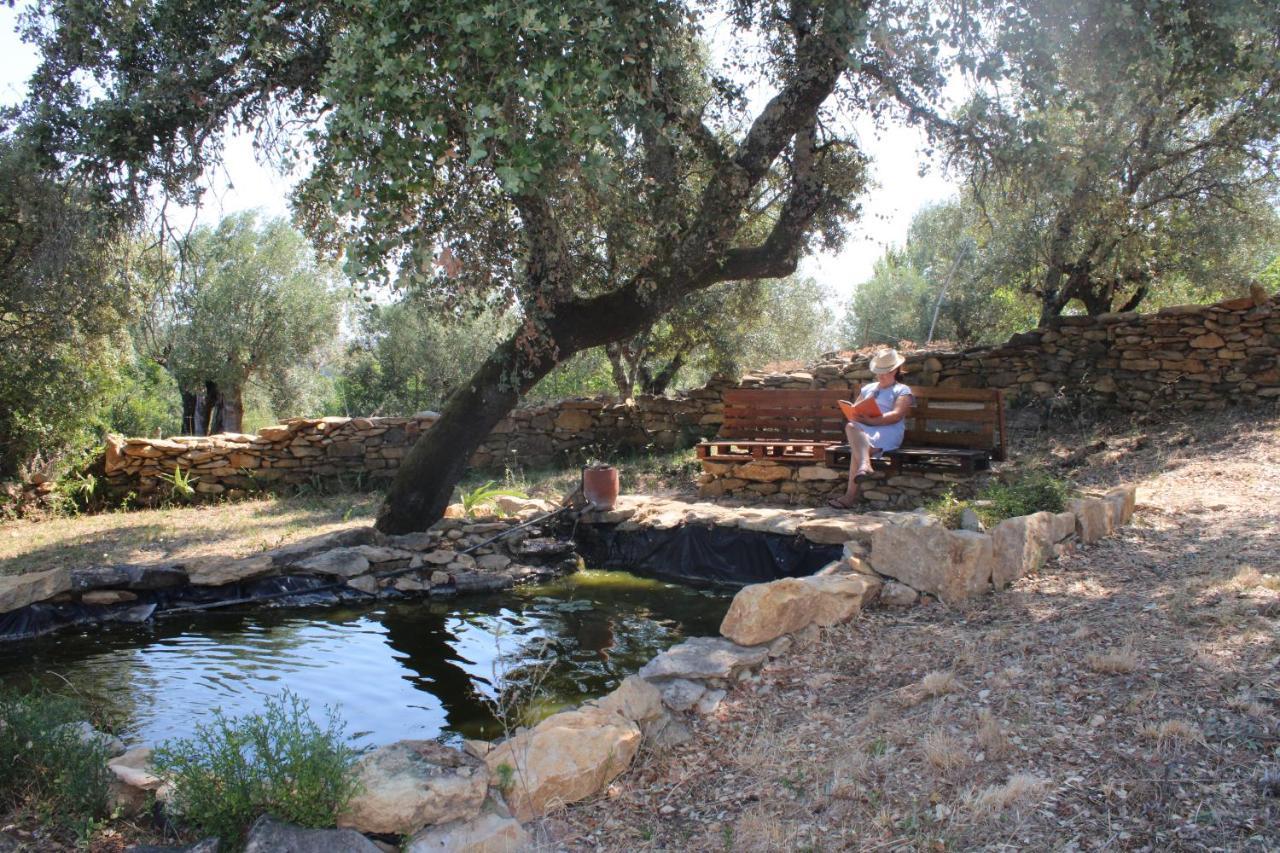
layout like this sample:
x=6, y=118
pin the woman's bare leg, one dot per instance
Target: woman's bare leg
x=859, y=459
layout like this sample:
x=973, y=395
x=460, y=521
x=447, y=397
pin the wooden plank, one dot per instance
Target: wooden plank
x=1004, y=431
x=954, y=415
x=944, y=393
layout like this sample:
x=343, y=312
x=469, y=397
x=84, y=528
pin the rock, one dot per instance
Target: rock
x=411, y=783
x=1020, y=545
x=951, y=564
x=969, y=520
x=681, y=694
x=1093, y=520
x=765, y=611
x=107, y=597
x=513, y=505
x=820, y=473
x=1064, y=526
x=565, y=758
x=268, y=835
x=441, y=557
x=493, y=562
x=423, y=540
x=635, y=699
x=439, y=578
x=1122, y=500
x=542, y=547
x=21, y=590
x=763, y=472
x=894, y=594
x=207, y=845
x=837, y=531
x=488, y=833
x=703, y=657
x=382, y=554
x=134, y=578
x=710, y=702
x=340, y=562
x=233, y=571
x=368, y=584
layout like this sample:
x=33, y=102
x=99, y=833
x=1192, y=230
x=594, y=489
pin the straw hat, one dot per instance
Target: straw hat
x=886, y=361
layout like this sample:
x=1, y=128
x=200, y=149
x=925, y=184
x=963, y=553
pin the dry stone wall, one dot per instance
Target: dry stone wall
x=1180, y=358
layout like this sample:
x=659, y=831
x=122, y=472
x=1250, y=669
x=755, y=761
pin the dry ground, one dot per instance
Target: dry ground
x=1127, y=697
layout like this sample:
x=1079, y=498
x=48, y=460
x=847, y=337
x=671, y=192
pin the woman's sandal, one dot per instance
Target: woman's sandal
x=842, y=502
x=864, y=474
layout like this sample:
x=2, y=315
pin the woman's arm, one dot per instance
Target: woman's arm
x=901, y=408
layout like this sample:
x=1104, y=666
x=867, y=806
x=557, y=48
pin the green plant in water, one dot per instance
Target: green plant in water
x=279, y=761
x=182, y=484
x=479, y=496
x=48, y=766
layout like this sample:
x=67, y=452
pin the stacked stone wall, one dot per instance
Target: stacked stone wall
x=1181, y=358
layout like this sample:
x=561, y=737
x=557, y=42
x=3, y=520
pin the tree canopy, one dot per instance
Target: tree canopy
x=587, y=163
x=1128, y=140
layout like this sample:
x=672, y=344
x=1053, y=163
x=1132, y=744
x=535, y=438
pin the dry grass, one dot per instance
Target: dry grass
x=187, y=534
x=1126, y=697
x=1117, y=661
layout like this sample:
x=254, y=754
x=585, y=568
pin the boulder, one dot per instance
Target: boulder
x=488, y=833
x=895, y=594
x=762, y=472
x=21, y=590
x=635, y=699
x=512, y=505
x=232, y=571
x=268, y=835
x=134, y=578
x=107, y=597
x=411, y=783
x=681, y=694
x=704, y=657
x=1121, y=501
x=1064, y=526
x=1020, y=545
x=340, y=562
x=765, y=611
x=1093, y=519
x=565, y=758
x=493, y=562
x=951, y=564
x=368, y=584
x=837, y=531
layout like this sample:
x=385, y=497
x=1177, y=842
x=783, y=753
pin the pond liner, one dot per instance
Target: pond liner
x=699, y=555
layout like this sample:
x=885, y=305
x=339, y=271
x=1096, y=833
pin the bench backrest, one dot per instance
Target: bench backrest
x=942, y=417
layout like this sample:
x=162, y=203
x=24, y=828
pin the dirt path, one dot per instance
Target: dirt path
x=1126, y=698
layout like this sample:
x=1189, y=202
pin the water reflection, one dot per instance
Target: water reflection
x=415, y=669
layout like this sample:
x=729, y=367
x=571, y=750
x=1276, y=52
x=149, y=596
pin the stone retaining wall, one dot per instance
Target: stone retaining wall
x=1181, y=358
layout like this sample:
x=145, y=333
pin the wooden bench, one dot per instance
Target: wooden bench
x=961, y=429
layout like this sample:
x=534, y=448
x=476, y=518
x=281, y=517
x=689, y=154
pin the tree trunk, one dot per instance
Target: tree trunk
x=190, y=404
x=233, y=410
x=424, y=483
x=657, y=385
x=201, y=414
x=213, y=407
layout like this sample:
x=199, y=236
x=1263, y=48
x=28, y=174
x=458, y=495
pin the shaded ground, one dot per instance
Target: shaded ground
x=1126, y=698
x=191, y=534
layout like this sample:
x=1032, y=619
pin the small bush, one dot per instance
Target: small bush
x=280, y=761
x=46, y=766
x=947, y=508
x=1036, y=491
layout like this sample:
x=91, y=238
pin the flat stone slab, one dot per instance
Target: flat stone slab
x=819, y=525
x=20, y=590
x=704, y=657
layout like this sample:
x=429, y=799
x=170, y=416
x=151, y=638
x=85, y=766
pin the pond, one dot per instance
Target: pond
x=416, y=669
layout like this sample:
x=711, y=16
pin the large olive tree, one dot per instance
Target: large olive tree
x=588, y=163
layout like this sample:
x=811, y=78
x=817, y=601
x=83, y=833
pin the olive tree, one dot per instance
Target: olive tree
x=587, y=164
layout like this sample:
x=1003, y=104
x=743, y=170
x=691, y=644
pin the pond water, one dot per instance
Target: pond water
x=417, y=669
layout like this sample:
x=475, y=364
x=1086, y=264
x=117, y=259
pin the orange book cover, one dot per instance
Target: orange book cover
x=866, y=407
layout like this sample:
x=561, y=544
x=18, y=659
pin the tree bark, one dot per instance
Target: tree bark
x=190, y=403
x=233, y=410
x=213, y=408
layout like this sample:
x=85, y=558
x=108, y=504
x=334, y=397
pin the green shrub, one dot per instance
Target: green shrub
x=45, y=764
x=280, y=761
x=1034, y=491
x=947, y=508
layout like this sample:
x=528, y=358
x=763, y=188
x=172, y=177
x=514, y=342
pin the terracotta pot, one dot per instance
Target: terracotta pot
x=600, y=485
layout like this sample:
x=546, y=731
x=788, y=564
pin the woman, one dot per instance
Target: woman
x=869, y=437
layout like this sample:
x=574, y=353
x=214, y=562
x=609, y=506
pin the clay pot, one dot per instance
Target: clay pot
x=600, y=485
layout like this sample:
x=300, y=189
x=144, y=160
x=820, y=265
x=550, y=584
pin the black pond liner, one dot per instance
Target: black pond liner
x=698, y=554
x=283, y=591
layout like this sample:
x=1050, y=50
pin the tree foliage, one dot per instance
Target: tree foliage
x=247, y=303
x=585, y=163
x=1124, y=138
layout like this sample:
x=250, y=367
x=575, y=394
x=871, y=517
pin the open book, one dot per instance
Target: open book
x=865, y=407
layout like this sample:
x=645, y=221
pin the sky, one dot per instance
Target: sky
x=898, y=189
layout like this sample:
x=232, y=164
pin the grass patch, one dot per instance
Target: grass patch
x=1030, y=492
x=279, y=762
x=1117, y=661
x=48, y=768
